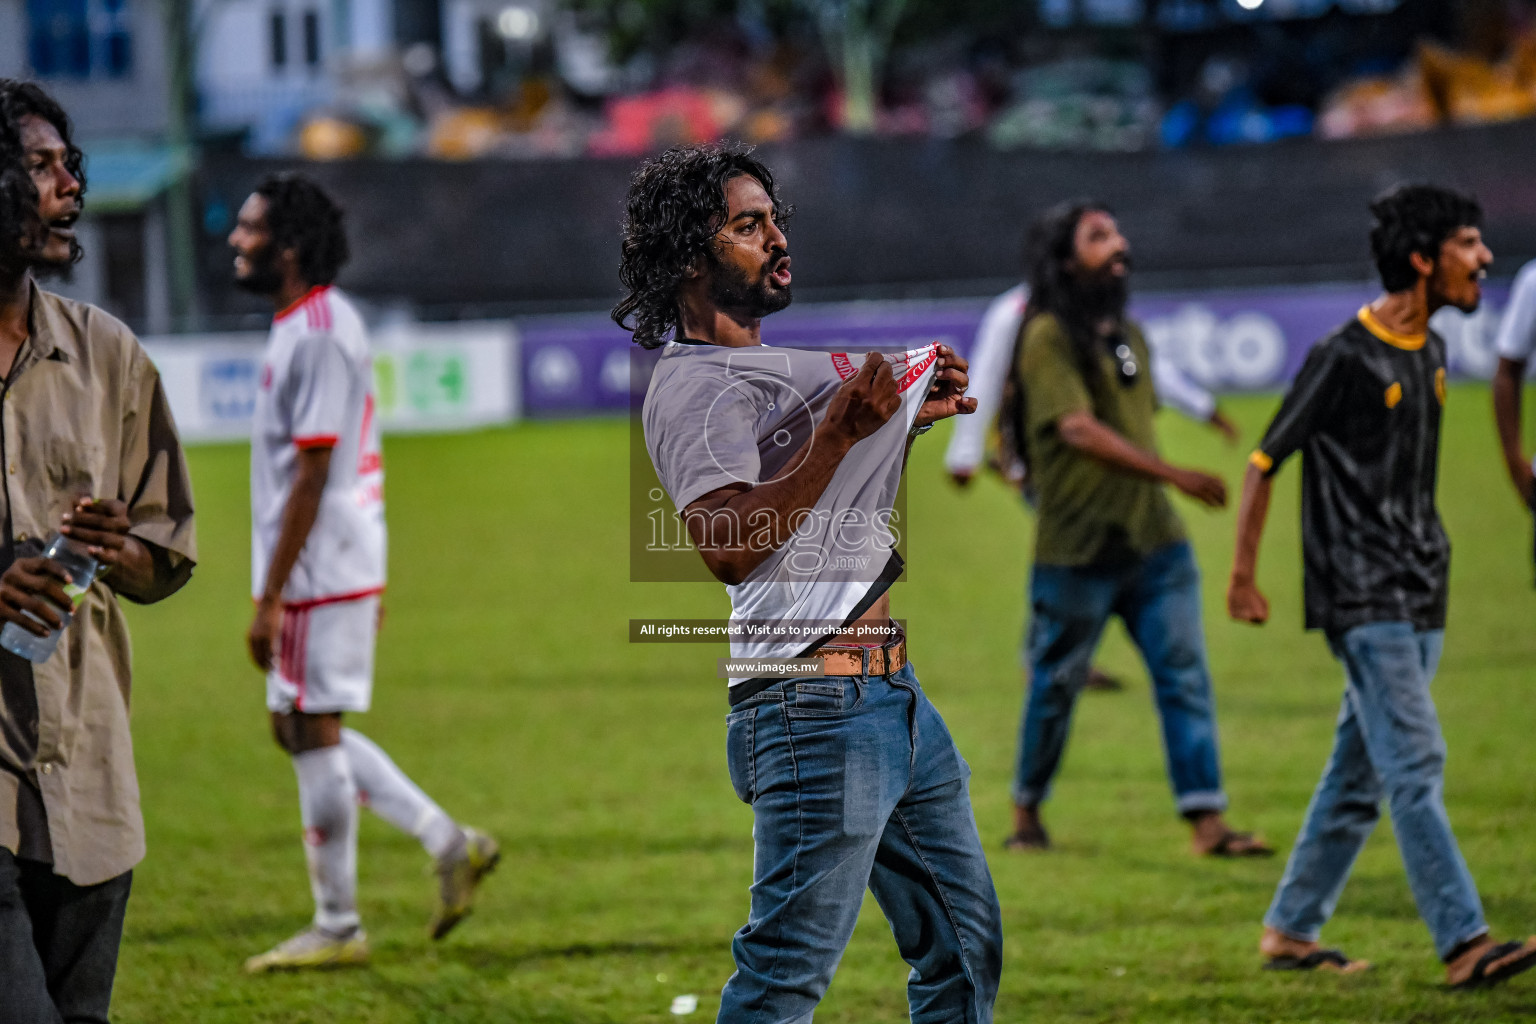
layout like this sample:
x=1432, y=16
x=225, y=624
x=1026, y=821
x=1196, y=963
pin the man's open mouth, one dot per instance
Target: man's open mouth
x=780, y=275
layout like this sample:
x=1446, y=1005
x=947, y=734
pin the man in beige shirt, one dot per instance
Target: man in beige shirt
x=87, y=447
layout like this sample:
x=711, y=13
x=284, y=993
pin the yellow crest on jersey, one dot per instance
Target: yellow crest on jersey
x=1394, y=395
x=1440, y=384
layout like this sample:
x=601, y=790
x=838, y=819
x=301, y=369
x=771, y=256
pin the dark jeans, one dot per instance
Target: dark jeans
x=1158, y=598
x=58, y=944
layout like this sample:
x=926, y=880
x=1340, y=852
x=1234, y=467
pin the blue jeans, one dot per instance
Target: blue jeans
x=855, y=782
x=1387, y=743
x=1158, y=599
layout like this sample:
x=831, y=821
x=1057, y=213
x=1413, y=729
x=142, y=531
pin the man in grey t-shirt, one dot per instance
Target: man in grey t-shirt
x=758, y=407
x=783, y=464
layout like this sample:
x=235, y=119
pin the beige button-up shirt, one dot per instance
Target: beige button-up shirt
x=83, y=413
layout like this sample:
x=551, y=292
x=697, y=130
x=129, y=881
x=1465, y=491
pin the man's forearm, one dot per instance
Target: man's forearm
x=1252, y=512
x=1508, y=385
x=1087, y=434
x=299, y=517
x=730, y=529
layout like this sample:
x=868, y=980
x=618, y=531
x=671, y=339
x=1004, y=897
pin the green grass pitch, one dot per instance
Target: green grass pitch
x=506, y=687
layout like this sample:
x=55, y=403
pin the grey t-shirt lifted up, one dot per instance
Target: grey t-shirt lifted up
x=716, y=416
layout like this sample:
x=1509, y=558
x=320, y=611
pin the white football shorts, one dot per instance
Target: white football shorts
x=325, y=657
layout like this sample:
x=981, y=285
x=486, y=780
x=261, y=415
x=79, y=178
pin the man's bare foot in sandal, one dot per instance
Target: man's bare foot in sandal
x=1482, y=963
x=1028, y=831
x=1213, y=837
x=1283, y=953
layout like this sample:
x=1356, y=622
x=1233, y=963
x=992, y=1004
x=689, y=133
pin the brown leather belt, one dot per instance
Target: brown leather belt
x=859, y=660
x=838, y=660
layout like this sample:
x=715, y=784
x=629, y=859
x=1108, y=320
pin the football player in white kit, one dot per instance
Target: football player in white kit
x=318, y=553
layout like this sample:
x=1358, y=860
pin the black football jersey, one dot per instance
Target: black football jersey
x=1365, y=413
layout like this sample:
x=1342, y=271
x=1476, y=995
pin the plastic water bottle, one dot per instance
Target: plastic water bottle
x=82, y=570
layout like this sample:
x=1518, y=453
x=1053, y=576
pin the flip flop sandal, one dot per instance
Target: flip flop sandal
x=1318, y=960
x=1240, y=844
x=1103, y=682
x=1485, y=976
x=1032, y=839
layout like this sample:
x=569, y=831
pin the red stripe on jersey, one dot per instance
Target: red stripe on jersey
x=318, y=308
x=286, y=642
x=316, y=602
x=304, y=444
x=294, y=307
x=301, y=657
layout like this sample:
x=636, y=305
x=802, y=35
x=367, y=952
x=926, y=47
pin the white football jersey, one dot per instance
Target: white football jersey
x=316, y=389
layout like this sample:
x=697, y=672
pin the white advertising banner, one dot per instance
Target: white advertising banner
x=427, y=377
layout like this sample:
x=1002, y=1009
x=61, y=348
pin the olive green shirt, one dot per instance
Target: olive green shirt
x=83, y=413
x=1089, y=512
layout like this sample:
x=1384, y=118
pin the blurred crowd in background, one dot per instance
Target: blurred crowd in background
x=507, y=129
x=568, y=78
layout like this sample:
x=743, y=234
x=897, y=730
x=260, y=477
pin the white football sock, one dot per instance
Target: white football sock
x=382, y=786
x=328, y=803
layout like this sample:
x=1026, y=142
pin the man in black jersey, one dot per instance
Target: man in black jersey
x=1365, y=412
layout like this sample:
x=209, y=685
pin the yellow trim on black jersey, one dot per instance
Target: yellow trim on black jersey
x=1261, y=461
x=1394, y=395
x=1407, y=342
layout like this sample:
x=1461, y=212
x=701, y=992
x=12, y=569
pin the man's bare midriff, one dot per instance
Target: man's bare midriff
x=879, y=614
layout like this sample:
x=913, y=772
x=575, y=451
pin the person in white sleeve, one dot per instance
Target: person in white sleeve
x=1515, y=343
x=318, y=555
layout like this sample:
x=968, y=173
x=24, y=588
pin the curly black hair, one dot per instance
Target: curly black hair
x=1412, y=219
x=676, y=205
x=21, y=227
x=302, y=217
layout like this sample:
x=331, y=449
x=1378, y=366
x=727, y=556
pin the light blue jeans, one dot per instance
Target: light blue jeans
x=855, y=782
x=1158, y=599
x=1387, y=743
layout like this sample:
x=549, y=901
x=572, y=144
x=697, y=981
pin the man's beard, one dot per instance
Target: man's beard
x=29, y=257
x=730, y=289
x=45, y=270
x=1100, y=295
x=1440, y=292
x=263, y=278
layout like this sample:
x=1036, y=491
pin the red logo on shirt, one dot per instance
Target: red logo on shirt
x=266, y=376
x=917, y=367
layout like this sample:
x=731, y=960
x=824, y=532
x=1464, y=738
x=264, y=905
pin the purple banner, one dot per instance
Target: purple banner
x=1241, y=340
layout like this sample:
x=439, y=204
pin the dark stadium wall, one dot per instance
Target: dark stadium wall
x=885, y=218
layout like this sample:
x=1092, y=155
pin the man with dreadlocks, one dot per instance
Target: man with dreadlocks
x=89, y=449
x=317, y=551
x=783, y=464
x=1107, y=541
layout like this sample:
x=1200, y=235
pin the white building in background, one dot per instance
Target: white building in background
x=262, y=65
x=106, y=62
